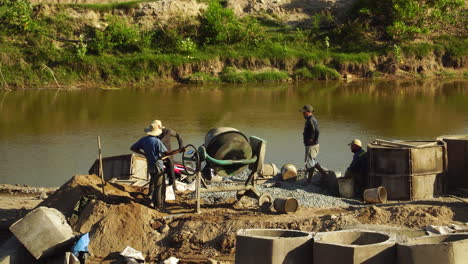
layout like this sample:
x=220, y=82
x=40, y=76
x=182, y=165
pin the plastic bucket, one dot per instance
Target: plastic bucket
x=289, y=172
x=346, y=187
x=286, y=205
x=375, y=195
x=269, y=170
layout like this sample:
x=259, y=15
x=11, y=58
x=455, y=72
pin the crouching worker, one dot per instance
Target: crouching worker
x=357, y=170
x=153, y=149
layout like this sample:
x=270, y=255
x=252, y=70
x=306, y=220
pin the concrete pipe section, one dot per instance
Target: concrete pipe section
x=447, y=249
x=354, y=246
x=273, y=246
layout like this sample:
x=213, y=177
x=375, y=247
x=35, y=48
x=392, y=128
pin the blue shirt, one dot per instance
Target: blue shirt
x=152, y=147
x=359, y=163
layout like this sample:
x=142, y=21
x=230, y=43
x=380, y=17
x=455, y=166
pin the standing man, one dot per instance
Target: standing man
x=165, y=137
x=153, y=149
x=311, y=143
x=358, y=167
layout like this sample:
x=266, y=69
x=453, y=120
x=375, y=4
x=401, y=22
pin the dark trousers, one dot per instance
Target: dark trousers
x=157, y=188
x=169, y=164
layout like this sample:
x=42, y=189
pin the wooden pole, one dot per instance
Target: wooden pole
x=101, y=171
x=198, y=192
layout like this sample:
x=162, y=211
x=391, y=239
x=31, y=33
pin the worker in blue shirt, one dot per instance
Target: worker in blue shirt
x=153, y=149
x=358, y=167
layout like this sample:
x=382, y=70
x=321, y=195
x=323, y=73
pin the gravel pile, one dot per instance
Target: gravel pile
x=307, y=195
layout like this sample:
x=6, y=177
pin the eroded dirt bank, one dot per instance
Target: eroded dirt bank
x=122, y=218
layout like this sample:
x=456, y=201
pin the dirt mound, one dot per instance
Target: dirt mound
x=113, y=227
x=65, y=198
x=410, y=215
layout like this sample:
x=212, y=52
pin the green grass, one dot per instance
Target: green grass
x=230, y=75
x=316, y=72
x=361, y=57
x=201, y=78
x=420, y=50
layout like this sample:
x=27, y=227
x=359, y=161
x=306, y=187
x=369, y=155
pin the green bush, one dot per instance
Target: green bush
x=323, y=72
x=118, y=36
x=403, y=20
x=220, y=25
x=16, y=15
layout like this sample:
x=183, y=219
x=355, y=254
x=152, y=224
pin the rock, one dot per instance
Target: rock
x=164, y=229
x=155, y=225
x=43, y=196
x=171, y=260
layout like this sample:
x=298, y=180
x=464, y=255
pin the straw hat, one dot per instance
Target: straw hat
x=154, y=129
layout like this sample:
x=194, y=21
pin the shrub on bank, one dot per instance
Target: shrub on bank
x=231, y=75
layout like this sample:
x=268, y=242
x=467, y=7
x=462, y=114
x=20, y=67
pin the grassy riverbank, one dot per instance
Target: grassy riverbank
x=61, y=45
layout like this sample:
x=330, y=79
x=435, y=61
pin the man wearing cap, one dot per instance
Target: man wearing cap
x=311, y=143
x=153, y=149
x=358, y=167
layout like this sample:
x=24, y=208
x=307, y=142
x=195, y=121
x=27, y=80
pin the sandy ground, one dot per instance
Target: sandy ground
x=122, y=218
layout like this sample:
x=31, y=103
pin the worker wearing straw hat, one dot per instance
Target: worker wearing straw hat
x=153, y=149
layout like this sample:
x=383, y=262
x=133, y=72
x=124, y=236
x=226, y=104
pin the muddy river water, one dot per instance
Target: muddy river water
x=46, y=136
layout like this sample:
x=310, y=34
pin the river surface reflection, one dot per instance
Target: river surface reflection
x=46, y=136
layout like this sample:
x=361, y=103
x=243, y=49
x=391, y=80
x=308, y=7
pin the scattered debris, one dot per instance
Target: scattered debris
x=132, y=255
x=171, y=260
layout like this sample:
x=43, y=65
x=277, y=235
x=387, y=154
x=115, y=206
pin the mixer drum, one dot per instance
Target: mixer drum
x=227, y=143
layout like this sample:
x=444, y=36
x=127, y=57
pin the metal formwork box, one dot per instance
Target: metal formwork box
x=409, y=170
x=129, y=167
x=457, y=152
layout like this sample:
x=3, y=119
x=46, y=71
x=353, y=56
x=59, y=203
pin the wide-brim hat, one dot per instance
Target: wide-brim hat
x=154, y=129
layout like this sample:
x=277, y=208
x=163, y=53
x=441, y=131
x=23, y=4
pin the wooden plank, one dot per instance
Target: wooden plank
x=396, y=144
x=101, y=171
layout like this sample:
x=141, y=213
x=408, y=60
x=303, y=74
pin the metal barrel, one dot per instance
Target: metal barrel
x=375, y=195
x=286, y=205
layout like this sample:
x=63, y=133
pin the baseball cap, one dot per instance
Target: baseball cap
x=356, y=142
x=307, y=108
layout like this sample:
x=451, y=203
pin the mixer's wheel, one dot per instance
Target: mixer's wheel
x=191, y=160
x=265, y=202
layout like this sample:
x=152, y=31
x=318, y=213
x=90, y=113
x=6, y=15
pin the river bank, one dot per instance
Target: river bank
x=187, y=41
x=123, y=218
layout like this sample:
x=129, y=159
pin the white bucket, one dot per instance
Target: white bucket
x=346, y=187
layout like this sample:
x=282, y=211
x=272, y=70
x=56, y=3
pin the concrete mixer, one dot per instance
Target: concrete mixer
x=228, y=152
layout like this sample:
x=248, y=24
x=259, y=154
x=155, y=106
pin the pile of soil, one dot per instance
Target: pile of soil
x=65, y=198
x=412, y=216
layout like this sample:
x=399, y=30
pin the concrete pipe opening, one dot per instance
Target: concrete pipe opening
x=448, y=249
x=272, y=233
x=356, y=238
x=273, y=246
x=353, y=247
x=438, y=239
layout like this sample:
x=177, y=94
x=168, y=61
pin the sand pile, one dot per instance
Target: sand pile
x=65, y=198
x=113, y=227
x=409, y=215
